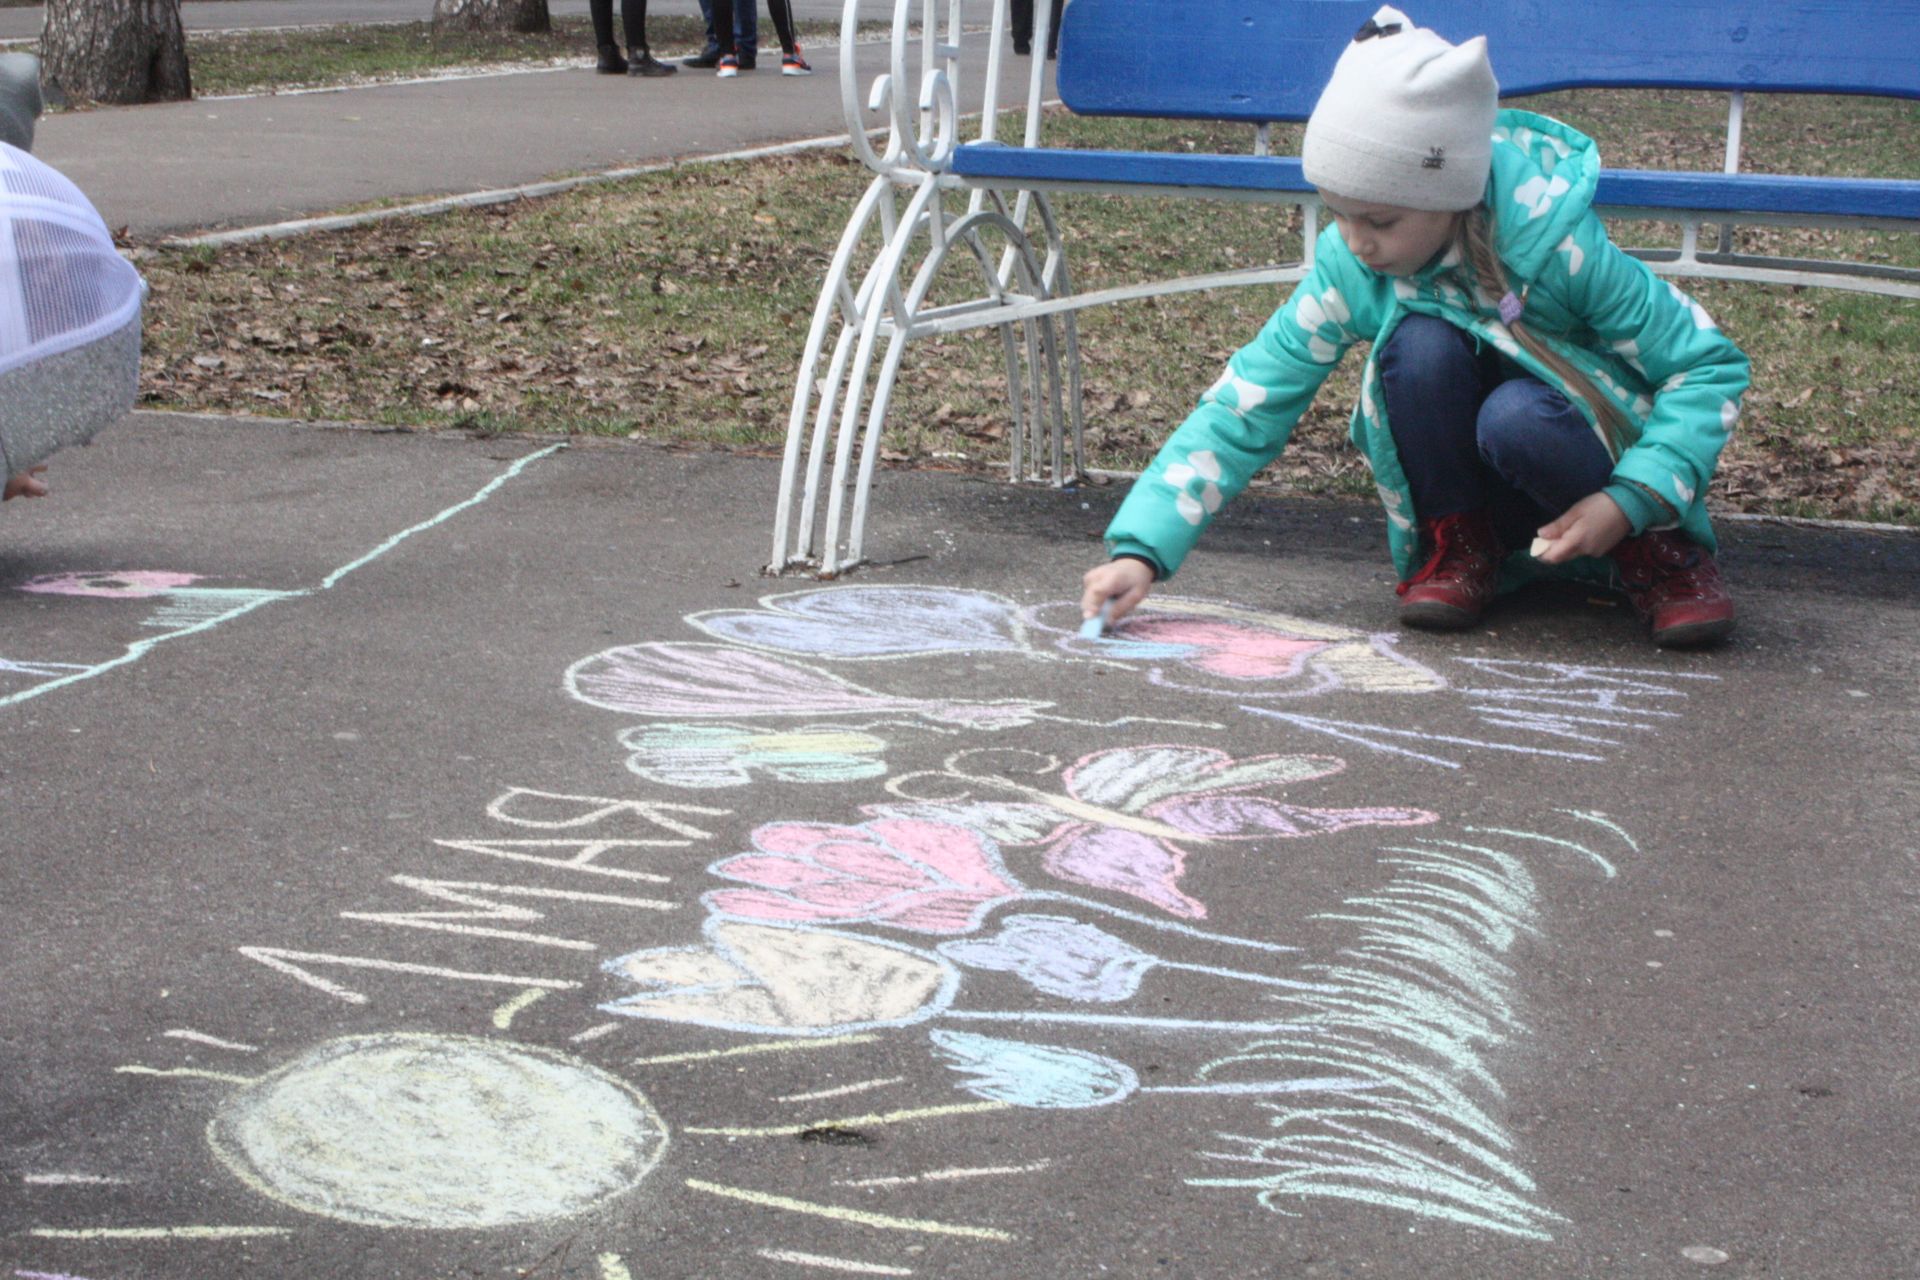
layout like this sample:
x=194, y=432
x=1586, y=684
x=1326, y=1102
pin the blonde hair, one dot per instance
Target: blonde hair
x=1474, y=237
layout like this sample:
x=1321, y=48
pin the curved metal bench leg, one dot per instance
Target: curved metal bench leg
x=965, y=232
x=1058, y=341
x=886, y=301
x=837, y=300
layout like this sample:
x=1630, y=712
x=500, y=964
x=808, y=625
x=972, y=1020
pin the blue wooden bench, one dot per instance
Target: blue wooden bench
x=1256, y=62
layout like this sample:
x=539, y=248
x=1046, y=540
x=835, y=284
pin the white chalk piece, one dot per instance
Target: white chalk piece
x=1096, y=626
x=1704, y=1255
x=1539, y=547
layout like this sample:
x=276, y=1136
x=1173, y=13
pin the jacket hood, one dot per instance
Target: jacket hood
x=1544, y=174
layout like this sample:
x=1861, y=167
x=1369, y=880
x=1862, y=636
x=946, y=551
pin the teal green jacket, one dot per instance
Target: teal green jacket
x=1641, y=340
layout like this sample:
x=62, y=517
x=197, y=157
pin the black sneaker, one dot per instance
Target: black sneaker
x=707, y=58
x=643, y=63
x=611, y=63
x=747, y=61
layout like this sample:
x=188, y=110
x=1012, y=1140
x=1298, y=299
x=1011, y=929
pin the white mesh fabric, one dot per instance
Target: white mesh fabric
x=62, y=283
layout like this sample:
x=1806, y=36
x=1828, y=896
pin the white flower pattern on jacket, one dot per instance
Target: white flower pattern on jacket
x=1200, y=466
x=1236, y=393
x=1324, y=318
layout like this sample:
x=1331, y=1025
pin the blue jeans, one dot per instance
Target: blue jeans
x=1476, y=432
x=746, y=27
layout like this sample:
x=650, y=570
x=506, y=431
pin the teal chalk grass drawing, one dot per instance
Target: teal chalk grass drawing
x=1418, y=1006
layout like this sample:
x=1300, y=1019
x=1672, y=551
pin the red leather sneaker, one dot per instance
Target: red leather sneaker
x=1675, y=585
x=1456, y=584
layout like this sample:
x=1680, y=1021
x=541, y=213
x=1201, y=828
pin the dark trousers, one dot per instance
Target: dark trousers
x=1023, y=25
x=633, y=17
x=1475, y=432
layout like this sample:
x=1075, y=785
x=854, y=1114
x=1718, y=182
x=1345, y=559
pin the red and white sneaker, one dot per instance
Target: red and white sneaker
x=1675, y=585
x=1457, y=583
x=728, y=67
x=792, y=64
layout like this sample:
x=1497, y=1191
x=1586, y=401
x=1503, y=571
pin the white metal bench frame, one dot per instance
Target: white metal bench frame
x=873, y=304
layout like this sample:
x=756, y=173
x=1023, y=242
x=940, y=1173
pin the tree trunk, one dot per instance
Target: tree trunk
x=491, y=15
x=114, y=51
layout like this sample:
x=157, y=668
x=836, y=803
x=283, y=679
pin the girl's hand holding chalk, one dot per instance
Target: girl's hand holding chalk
x=1592, y=526
x=1111, y=590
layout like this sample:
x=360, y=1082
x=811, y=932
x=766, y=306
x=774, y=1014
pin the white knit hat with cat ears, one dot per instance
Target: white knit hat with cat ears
x=1406, y=120
x=69, y=315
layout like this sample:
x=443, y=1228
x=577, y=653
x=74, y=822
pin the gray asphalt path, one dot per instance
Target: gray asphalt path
x=237, y=15
x=169, y=168
x=346, y=799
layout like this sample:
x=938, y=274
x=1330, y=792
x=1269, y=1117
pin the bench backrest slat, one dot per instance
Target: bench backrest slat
x=1260, y=60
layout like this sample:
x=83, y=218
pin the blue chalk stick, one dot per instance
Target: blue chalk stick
x=1093, y=628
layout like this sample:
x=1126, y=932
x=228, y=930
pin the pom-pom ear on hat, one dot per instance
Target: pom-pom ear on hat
x=1406, y=119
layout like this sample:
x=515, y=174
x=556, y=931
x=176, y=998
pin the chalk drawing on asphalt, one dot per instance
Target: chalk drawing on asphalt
x=406, y=1130
x=699, y=681
x=736, y=755
x=1565, y=711
x=1214, y=648
x=1422, y=999
x=185, y=610
x=977, y=904
x=716, y=681
x=875, y=622
x=958, y=1174
x=908, y=871
x=215, y=1042
x=1125, y=819
x=774, y=978
x=485, y=901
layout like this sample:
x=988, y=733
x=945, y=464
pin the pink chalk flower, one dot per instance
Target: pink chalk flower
x=931, y=877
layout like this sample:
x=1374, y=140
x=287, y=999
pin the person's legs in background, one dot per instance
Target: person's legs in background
x=722, y=32
x=1021, y=25
x=611, y=63
x=640, y=60
x=791, y=62
x=746, y=33
x=710, y=55
x=746, y=37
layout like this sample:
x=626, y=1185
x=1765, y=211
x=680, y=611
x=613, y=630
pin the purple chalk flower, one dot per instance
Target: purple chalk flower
x=1059, y=956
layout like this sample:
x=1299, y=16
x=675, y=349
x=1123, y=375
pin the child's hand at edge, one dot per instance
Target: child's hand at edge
x=1592, y=526
x=26, y=484
x=1124, y=581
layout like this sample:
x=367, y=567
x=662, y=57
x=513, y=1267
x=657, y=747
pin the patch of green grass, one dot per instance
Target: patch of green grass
x=675, y=307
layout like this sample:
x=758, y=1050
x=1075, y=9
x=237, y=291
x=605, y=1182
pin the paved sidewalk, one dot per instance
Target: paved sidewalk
x=172, y=168
x=234, y=15
x=416, y=865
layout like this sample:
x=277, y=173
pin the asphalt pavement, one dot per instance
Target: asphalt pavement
x=25, y=22
x=377, y=805
x=181, y=167
x=431, y=855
